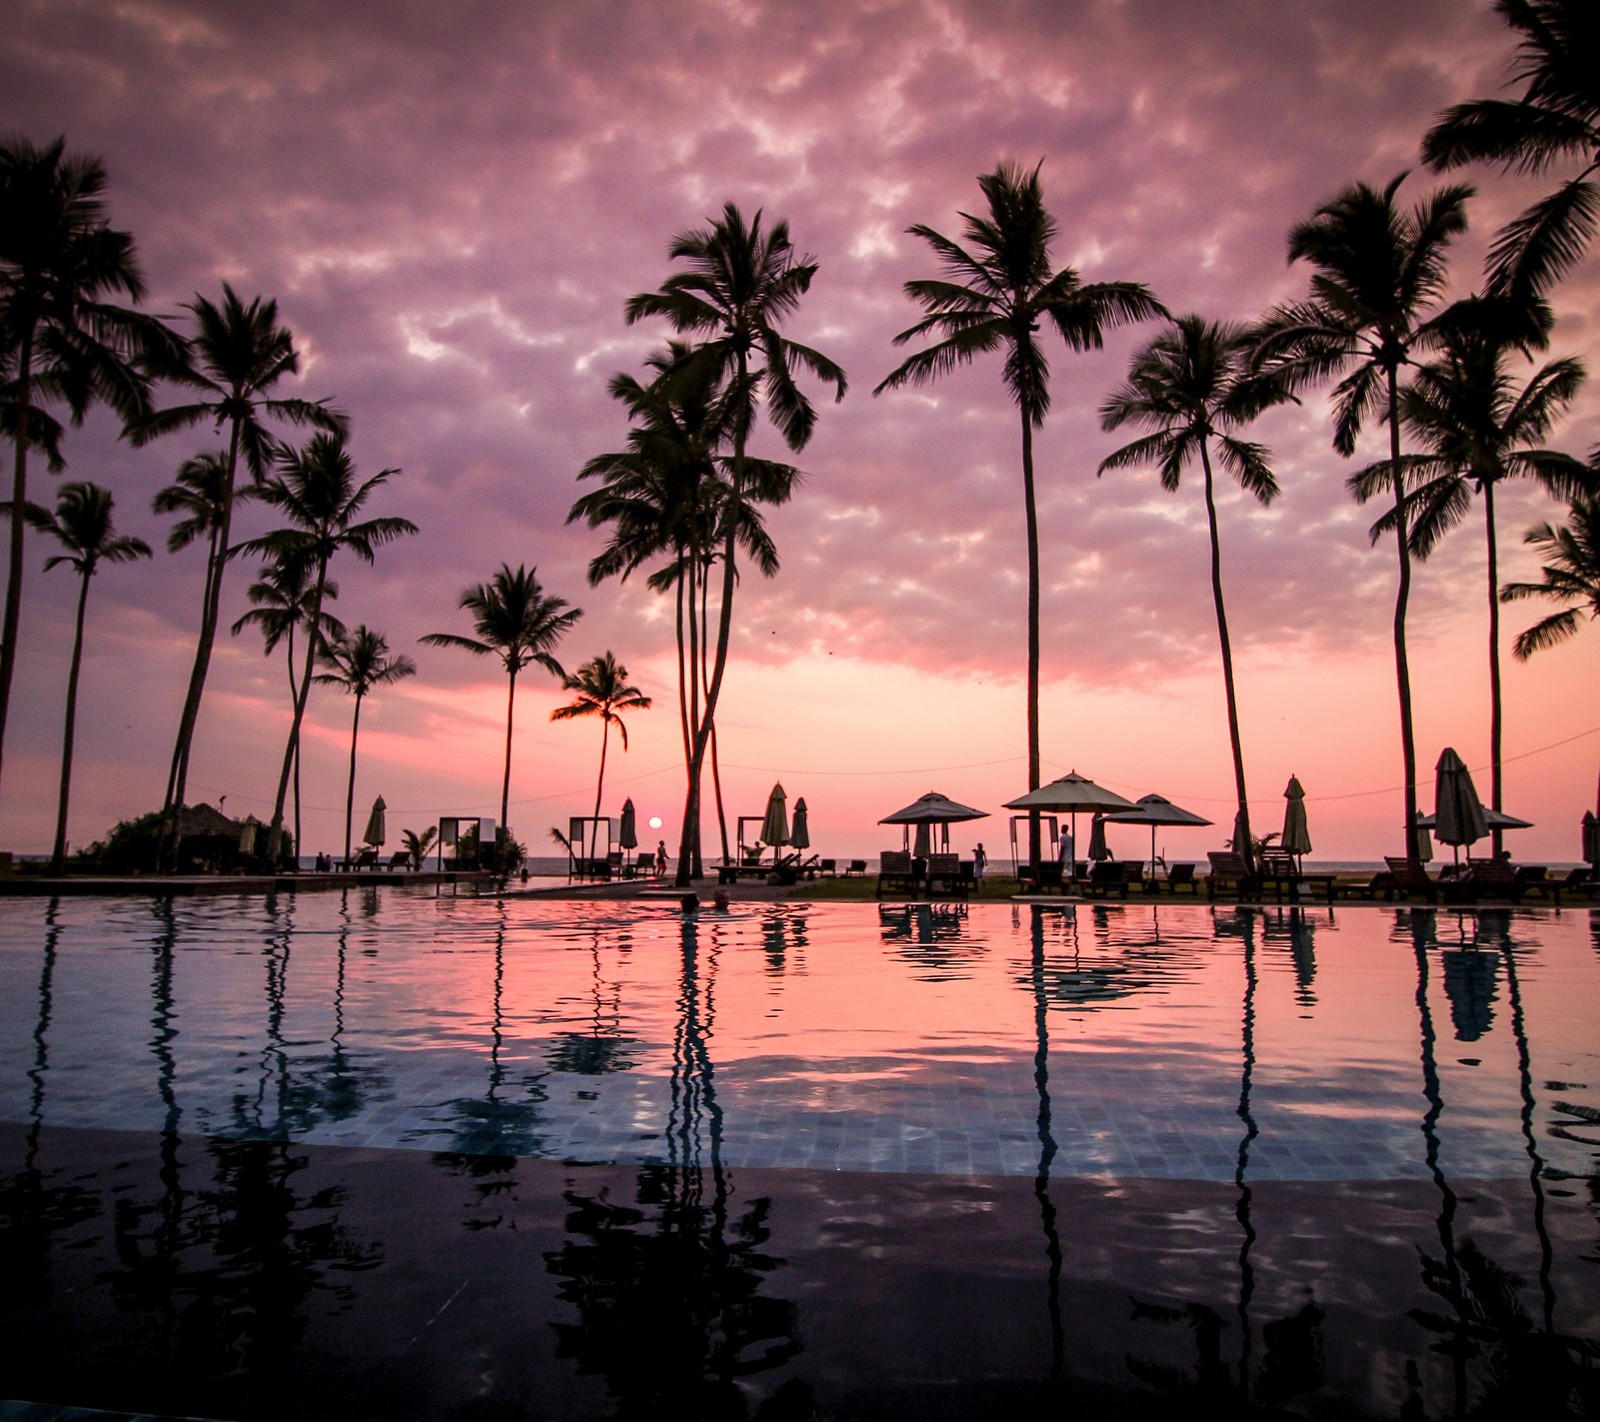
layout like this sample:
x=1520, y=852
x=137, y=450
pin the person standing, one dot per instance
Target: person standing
x=979, y=861
x=661, y=858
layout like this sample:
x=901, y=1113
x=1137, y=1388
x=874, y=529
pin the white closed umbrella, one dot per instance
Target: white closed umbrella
x=377, y=828
x=775, y=823
x=1296, y=832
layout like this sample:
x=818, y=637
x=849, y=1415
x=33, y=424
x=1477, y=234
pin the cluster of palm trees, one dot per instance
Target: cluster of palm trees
x=1449, y=380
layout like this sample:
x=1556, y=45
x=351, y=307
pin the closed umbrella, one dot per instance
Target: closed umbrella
x=377, y=830
x=1458, y=813
x=628, y=830
x=1097, y=839
x=1591, y=838
x=1155, y=811
x=1296, y=833
x=775, y=823
x=922, y=847
x=800, y=831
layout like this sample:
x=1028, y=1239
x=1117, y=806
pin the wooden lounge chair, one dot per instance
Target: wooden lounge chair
x=857, y=867
x=1282, y=874
x=1048, y=880
x=1383, y=882
x=828, y=868
x=1230, y=877
x=1412, y=880
x=400, y=859
x=944, y=876
x=896, y=874
x=1180, y=880
x=367, y=859
x=1113, y=876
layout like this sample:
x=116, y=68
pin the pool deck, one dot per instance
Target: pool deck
x=36, y=885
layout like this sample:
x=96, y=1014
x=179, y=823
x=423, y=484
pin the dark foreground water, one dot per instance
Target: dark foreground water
x=381, y=1155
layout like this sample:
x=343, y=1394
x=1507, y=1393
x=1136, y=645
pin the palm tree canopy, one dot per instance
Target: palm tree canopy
x=280, y=601
x=237, y=354
x=82, y=524
x=1191, y=384
x=600, y=688
x=1557, y=117
x=1378, y=267
x=316, y=489
x=1477, y=424
x=997, y=289
x=1571, y=574
x=515, y=620
x=360, y=660
x=62, y=266
x=197, y=494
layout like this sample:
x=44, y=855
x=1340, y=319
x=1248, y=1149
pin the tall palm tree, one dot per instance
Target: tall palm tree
x=993, y=295
x=280, y=603
x=1189, y=387
x=61, y=267
x=1571, y=574
x=359, y=661
x=82, y=525
x=1378, y=270
x=316, y=490
x=518, y=622
x=1479, y=430
x=601, y=688
x=1557, y=117
x=668, y=495
x=197, y=496
x=238, y=353
x=739, y=284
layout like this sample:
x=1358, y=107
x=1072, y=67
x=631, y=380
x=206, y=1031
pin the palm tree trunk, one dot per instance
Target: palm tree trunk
x=505, y=784
x=350, y=791
x=1494, y=662
x=1033, y=637
x=600, y=784
x=58, y=856
x=294, y=694
x=1402, y=668
x=275, y=834
x=1244, y=844
x=177, y=784
x=716, y=783
x=19, y=501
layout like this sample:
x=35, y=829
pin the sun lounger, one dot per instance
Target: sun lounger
x=945, y=876
x=828, y=868
x=1047, y=880
x=1230, y=877
x=1180, y=880
x=857, y=867
x=400, y=859
x=897, y=874
x=1113, y=877
x=366, y=859
x=1413, y=880
x=1283, y=876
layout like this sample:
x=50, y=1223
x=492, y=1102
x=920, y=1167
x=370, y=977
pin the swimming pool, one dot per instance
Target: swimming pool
x=384, y=1154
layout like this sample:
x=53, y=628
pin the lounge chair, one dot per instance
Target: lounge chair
x=1282, y=874
x=1113, y=876
x=1230, y=877
x=857, y=866
x=897, y=874
x=400, y=859
x=1048, y=879
x=1415, y=880
x=1180, y=880
x=1383, y=882
x=944, y=874
x=828, y=868
x=367, y=859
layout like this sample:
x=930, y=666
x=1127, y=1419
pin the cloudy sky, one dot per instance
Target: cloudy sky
x=451, y=205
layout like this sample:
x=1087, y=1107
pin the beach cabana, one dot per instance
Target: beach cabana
x=1157, y=812
x=928, y=813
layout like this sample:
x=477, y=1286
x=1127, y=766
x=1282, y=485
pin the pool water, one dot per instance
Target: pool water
x=383, y=1154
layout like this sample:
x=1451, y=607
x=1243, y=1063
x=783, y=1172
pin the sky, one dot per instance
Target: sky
x=451, y=206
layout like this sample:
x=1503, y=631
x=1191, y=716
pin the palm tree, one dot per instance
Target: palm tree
x=64, y=338
x=358, y=662
x=417, y=845
x=83, y=526
x=280, y=602
x=1378, y=269
x=739, y=284
x=518, y=622
x=1558, y=116
x=1192, y=385
x=316, y=489
x=197, y=495
x=1480, y=429
x=600, y=688
x=994, y=293
x=668, y=494
x=1571, y=574
x=239, y=352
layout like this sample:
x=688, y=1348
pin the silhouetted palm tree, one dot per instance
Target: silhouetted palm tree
x=280, y=603
x=316, y=489
x=1189, y=387
x=239, y=352
x=359, y=661
x=198, y=495
x=516, y=621
x=82, y=525
x=1378, y=269
x=1557, y=117
x=63, y=338
x=418, y=845
x=601, y=688
x=669, y=495
x=739, y=285
x=994, y=294
x=1480, y=429
x=1571, y=574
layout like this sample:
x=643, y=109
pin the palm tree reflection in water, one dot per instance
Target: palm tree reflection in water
x=668, y=1289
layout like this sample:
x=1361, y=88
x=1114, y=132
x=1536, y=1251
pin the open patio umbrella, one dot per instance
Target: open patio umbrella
x=775, y=823
x=1070, y=793
x=1495, y=819
x=1155, y=811
x=1296, y=833
x=934, y=809
x=377, y=829
x=1458, y=813
x=800, y=831
x=1097, y=839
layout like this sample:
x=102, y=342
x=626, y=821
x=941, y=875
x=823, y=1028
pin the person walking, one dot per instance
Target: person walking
x=661, y=858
